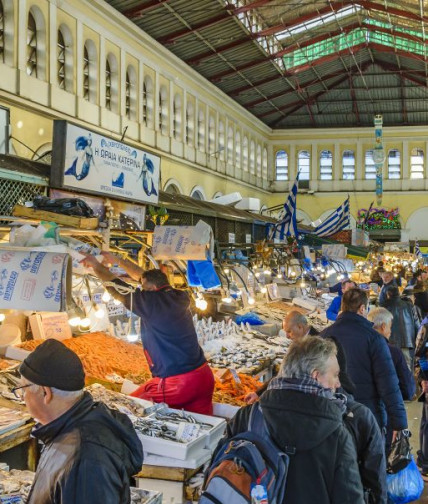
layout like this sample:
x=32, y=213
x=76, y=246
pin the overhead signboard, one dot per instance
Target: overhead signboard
x=87, y=162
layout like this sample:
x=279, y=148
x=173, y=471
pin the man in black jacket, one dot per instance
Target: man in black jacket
x=302, y=413
x=388, y=281
x=90, y=452
x=369, y=362
x=405, y=323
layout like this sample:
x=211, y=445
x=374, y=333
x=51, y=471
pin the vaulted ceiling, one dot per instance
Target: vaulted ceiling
x=301, y=63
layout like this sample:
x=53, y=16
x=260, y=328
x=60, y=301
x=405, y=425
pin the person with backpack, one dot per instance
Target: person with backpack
x=297, y=425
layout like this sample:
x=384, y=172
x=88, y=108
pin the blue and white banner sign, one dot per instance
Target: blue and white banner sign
x=91, y=163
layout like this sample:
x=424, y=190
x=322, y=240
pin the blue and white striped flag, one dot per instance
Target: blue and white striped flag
x=287, y=225
x=336, y=221
x=418, y=252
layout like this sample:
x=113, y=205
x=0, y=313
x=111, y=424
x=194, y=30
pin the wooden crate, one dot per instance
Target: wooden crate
x=65, y=220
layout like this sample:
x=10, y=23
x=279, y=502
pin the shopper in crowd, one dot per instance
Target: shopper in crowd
x=421, y=355
x=421, y=296
x=376, y=275
x=420, y=276
x=303, y=413
x=181, y=375
x=382, y=320
x=89, y=451
x=369, y=362
x=334, y=308
x=388, y=281
x=405, y=323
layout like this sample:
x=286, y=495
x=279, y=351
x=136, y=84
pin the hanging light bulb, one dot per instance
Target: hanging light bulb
x=293, y=274
x=86, y=322
x=227, y=271
x=257, y=274
x=302, y=284
x=227, y=300
x=2, y=317
x=106, y=297
x=267, y=272
x=279, y=275
x=74, y=321
x=99, y=312
x=263, y=290
x=116, y=302
x=251, y=300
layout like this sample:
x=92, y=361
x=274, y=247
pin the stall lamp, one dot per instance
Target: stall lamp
x=106, y=297
x=86, y=322
x=227, y=271
x=293, y=274
x=302, y=283
x=340, y=277
x=251, y=300
x=2, y=317
x=263, y=290
x=116, y=302
x=74, y=321
x=99, y=312
x=267, y=272
x=227, y=300
x=257, y=274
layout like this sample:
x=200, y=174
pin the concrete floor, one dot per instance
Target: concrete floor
x=414, y=411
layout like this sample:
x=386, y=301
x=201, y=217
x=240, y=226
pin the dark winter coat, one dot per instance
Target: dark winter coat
x=370, y=367
x=370, y=449
x=382, y=294
x=406, y=380
x=89, y=456
x=405, y=324
x=324, y=468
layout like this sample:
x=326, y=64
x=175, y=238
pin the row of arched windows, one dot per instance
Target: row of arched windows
x=200, y=128
x=393, y=162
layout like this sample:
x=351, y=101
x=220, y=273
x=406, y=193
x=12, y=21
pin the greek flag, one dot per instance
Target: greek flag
x=336, y=221
x=287, y=224
x=418, y=252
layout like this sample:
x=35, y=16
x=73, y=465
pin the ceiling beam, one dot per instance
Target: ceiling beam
x=172, y=37
x=251, y=6
x=139, y=10
x=354, y=99
x=404, y=72
x=196, y=60
x=336, y=6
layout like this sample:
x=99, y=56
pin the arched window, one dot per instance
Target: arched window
x=32, y=48
x=369, y=164
x=221, y=139
x=281, y=165
x=197, y=194
x=230, y=151
x=394, y=164
x=190, y=124
x=259, y=161
x=201, y=130
x=2, y=25
x=265, y=164
x=211, y=135
x=172, y=189
x=245, y=154
x=163, y=110
x=111, y=83
x=177, y=117
x=417, y=170
x=348, y=165
x=238, y=149
x=65, y=59
x=252, y=158
x=90, y=76
x=131, y=93
x=148, y=101
x=304, y=167
x=326, y=165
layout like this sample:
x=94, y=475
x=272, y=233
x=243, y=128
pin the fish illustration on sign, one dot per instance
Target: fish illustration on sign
x=85, y=157
x=147, y=171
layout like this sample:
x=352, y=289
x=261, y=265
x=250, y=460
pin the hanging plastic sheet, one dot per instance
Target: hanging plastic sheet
x=202, y=274
x=34, y=280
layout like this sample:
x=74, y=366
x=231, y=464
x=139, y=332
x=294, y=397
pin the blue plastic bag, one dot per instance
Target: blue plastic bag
x=202, y=274
x=250, y=317
x=405, y=486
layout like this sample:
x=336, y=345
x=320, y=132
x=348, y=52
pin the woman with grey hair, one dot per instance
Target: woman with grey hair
x=303, y=414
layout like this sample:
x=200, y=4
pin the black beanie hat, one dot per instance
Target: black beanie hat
x=52, y=364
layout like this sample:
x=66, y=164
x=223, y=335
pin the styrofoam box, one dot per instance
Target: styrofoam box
x=227, y=411
x=191, y=463
x=148, y=496
x=213, y=435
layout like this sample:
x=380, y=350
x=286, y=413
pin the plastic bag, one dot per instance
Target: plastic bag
x=250, y=317
x=406, y=485
x=399, y=456
x=202, y=274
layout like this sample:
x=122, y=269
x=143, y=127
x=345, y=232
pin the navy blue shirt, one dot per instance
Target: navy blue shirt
x=167, y=331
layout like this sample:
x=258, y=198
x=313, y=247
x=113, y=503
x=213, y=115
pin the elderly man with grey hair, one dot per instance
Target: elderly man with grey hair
x=303, y=413
x=90, y=452
x=382, y=323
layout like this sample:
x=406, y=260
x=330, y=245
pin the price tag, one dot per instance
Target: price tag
x=231, y=237
x=235, y=375
x=187, y=432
